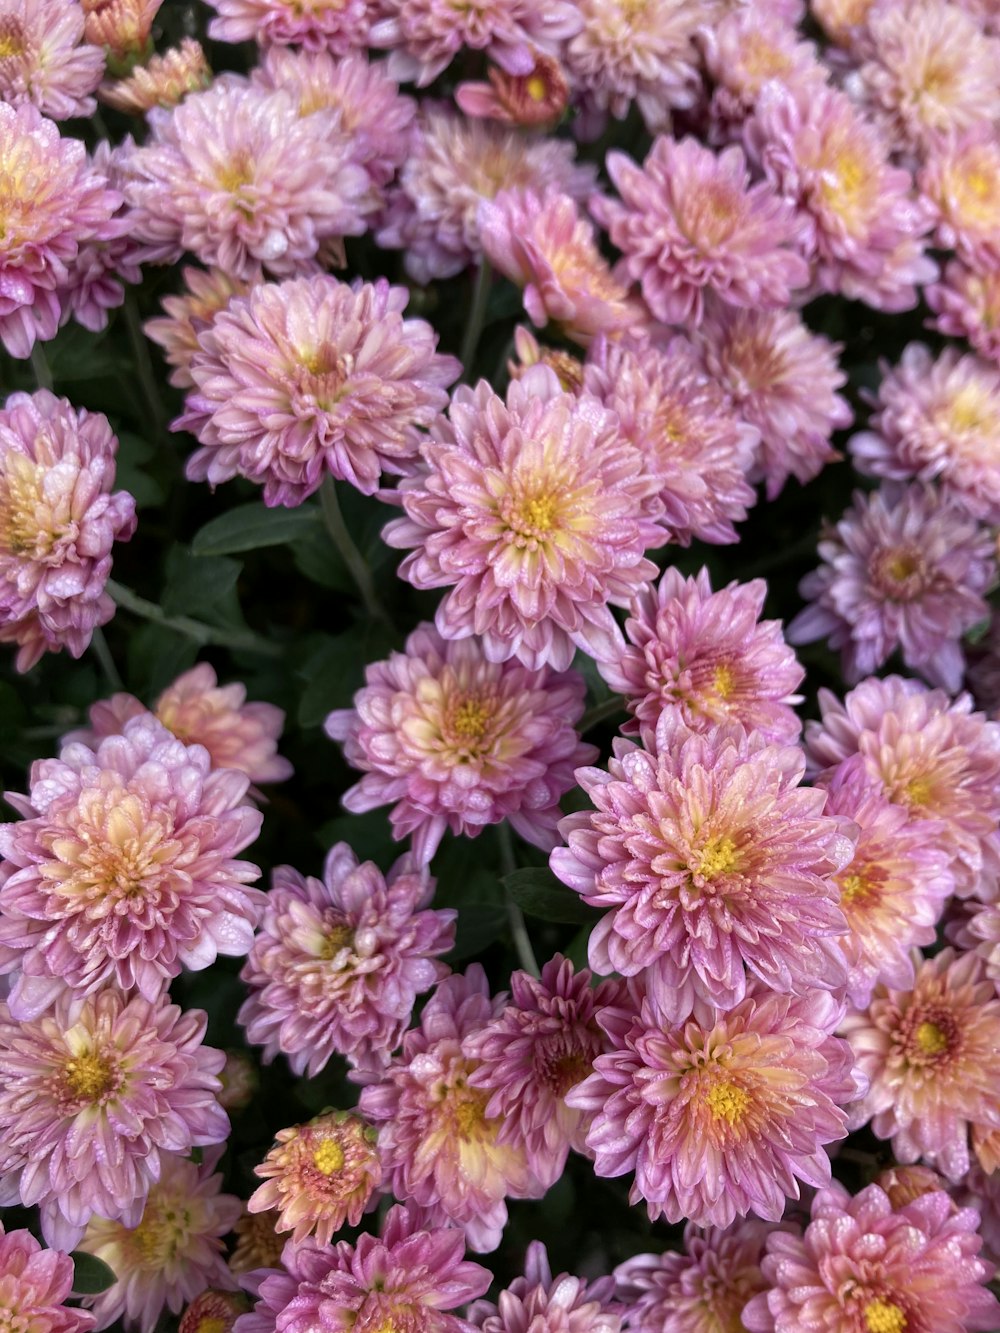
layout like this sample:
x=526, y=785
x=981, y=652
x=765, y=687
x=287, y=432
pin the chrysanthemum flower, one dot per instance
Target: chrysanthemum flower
x=905, y=567
x=541, y=1045
x=567, y=368
x=863, y=1266
x=783, y=379
x=257, y=1244
x=92, y=1095
x=213, y=1312
x=532, y=510
x=338, y=963
x=960, y=176
x=725, y=1114
x=240, y=1081
x=456, y=741
x=713, y=862
x=706, y=657
x=975, y=927
x=938, y=419
x=695, y=449
x=453, y=164
x=186, y=315
x=437, y=1144
x=123, y=27
x=311, y=377
x=843, y=21
x=407, y=1279
x=163, y=81
x=319, y=1175
x=690, y=222
x=531, y=100
x=703, y=1289
x=746, y=48
x=543, y=1304
x=966, y=303
x=35, y=1283
x=173, y=1254
x=45, y=60
x=58, y=523
x=903, y=1184
x=337, y=26
x=932, y=1058
x=237, y=177
x=122, y=868
x=981, y=1190
x=865, y=226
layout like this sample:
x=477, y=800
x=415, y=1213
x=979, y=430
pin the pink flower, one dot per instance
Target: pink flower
x=690, y=222
x=961, y=178
x=459, y=742
x=186, y=315
x=45, y=59
x=725, y=1114
x=312, y=377
x=541, y=1045
x=966, y=304
x=696, y=450
x=91, y=1095
x=58, y=523
x=975, y=927
x=122, y=868
x=531, y=510
x=337, y=26
x=35, y=1284
x=904, y=568
x=338, y=963
x=437, y=1144
x=213, y=1312
x=536, y=98
x=782, y=379
x=713, y=863
x=164, y=80
x=863, y=1266
x=543, y=1304
x=706, y=657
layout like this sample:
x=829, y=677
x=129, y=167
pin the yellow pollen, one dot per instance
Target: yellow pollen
x=328, y=1157
x=902, y=565
x=968, y=410
x=930, y=1039
x=718, y=857
x=852, y=887
x=918, y=791
x=471, y=720
x=469, y=1117
x=727, y=1102
x=337, y=938
x=538, y=513
x=10, y=45
x=211, y=1324
x=160, y=1234
x=884, y=1317
x=723, y=680
x=535, y=88
x=89, y=1077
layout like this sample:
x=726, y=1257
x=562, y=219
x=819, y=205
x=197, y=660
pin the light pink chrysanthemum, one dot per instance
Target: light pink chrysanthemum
x=981, y=1190
x=58, y=523
x=567, y=368
x=903, y=1184
x=454, y=163
x=865, y=226
x=533, y=511
x=45, y=60
x=938, y=419
x=783, y=379
x=122, y=868
x=173, y=1254
x=408, y=1278
x=703, y=1289
x=713, y=863
x=975, y=927
x=531, y=100
x=338, y=963
x=689, y=222
x=695, y=449
x=459, y=742
x=863, y=1266
x=930, y=754
x=905, y=567
x=725, y=1114
x=543, y=1304
x=35, y=1283
x=437, y=1144
x=311, y=378
x=843, y=21
x=54, y=201
x=320, y=1175
x=186, y=315
x=932, y=1058
x=960, y=176
x=92, y=1095
x=213, y=1312
x=337, y=26
x=237, y=177
x=966, y=303
x=707, y=657
x=123, y=27
x=163, y=81
x=541, y=1045
x=543, y=244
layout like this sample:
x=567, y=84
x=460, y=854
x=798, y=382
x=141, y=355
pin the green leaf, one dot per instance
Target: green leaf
x=251, y=527
x=91, y=1275
x=539, y=894
x=203, y=587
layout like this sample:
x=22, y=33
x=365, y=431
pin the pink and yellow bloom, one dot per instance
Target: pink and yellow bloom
x=545, y=1304
x=45, y=60
x=529, y=100
x=337, y=26
x=36, y=1283
x=960, y=177
x=185, y=315
x=163, y=81
x=966, y=304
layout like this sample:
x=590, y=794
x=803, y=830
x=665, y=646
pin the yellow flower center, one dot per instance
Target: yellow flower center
x=969, y=410
x=11, y=43
x=470, y=720
x=470, y=1117
x=853, y=887
x=727, y=1102
x=89, y=1077
x=119, y=850
x=884, y=1317
x=902, y=565
x=930, y=1039
x=161, y=1234
x=918, y=791
x=23, y=530
x=211, y=1324
x=718, y=857
x=535, y=88
x=538, y=514
x=337, y=937
x=724, y=681
x=328, y=1157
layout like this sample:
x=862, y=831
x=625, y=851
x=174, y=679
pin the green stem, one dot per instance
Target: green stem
x=515, y=917
x=601, y=712
x=143, y=364
x=351, y=556
x=477, y=317
x=242, y=640
x=40, y=365
x=103, y=654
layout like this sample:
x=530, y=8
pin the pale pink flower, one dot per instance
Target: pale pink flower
x=960, y=176
x=213, y=1312
x=568, y=369
x=843, y=21
x=35, y=1284
x=903, y=1184
x=123, y=27
x=164, y=80
x=187, y=315
x=966, y=304
x=45, y=60
x=337, y=26
x=256, y=1244
x=543, y=1304
x=981, y=1190
x=534, y=99
x=975, y=927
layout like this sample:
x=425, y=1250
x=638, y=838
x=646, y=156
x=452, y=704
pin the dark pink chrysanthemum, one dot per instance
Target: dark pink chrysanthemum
x=45, y=60
x=689, y=222
x=713, y=863
x=58, y=523
x=541, y=1045
x=782, y=379
x=966, y=304
x=863, y=1266
x=35, y=1283
x=91, y=1095
x=337, y=26
x=723, y=1115
x=960, y=176
x=532, y=510
x=906, y=568
x=695, y=449
x=122, y=868
x=700, y=1290
x=539, y=1303
x=931, y=1056
x=312, y=377
x=187, y=314
x=338, y=963
x=437, y=1144
x=706, y=657
x=933, y=756
x=456, y=741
